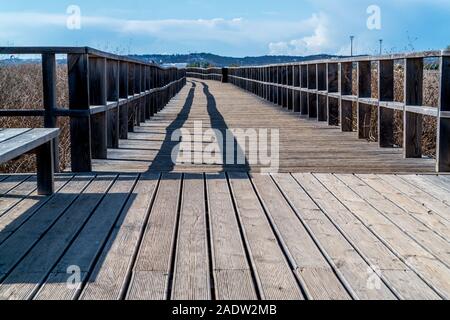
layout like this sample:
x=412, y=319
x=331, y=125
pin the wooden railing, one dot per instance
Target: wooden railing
x=108, y=96
x=206, y=74
x=323, y=90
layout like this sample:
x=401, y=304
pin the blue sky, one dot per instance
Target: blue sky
x=231, y=27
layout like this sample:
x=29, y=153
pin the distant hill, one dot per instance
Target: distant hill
x=208, y=59
x=195, y=59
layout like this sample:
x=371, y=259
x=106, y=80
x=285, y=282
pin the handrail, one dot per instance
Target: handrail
x=205, y=73
x=108, y=96
x=323, y=90
x=77, y=50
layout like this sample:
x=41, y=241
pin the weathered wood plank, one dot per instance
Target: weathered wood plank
x=108, y=280
x=423, y=198
x=417, y=210
x=410, y=226
x=408, y=251
x=150, y=279
x=84, y=251
x=232, y=275
x=317, y=277
x=355, y=261
x=17, y=245
x=14, y=196
x=191, y=279
x=25, y=142
x=16, y=216
x=11, y=182
x=274, y=276
x=6, y=134
x=28, y=275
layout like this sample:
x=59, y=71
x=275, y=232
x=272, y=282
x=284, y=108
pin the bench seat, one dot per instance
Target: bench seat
x=16, y=142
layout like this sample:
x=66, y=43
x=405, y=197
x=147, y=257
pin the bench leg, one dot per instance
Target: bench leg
x=45, y=169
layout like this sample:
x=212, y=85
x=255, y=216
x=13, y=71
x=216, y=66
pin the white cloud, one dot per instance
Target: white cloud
x=317, y=42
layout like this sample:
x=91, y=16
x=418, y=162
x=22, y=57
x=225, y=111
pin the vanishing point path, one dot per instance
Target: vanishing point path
x=305, y=145
x=344, y=220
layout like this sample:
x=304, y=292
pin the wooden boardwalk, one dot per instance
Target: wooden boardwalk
x=226, y=236
x=304, y=145
x=344, y=220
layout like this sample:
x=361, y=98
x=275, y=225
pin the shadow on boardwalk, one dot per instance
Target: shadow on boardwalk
x=163, y=161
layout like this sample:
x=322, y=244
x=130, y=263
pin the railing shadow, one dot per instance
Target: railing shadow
x=163, y=161
x=218, y=123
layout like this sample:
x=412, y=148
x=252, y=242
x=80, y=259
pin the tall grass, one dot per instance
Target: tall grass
x=21, y=88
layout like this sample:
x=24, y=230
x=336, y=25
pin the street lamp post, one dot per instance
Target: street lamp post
x=351, y=45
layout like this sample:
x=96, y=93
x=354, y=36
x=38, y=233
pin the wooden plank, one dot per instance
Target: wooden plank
x=191, y=279
x=439, y=181
x=28, y=275
x=17, y=194
x=6, y=134
x=425, y=237
x=110, y=276
x=429, y=193
x=274, y=276
x=313, y=271
x=356, y=252
x=408, y=251
x=25, y=142
x=87, y=246
x=13, y=219
x=232, y=274
x=150, y=279
x=16, y=246
x=11, y=182
x=417, y=210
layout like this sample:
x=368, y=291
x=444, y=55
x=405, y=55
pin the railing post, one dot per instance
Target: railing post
x=224, y=75
x=50, y=97
x=364, y=91
x=80, y=127
x=386, y=93
x=123, y=95
x=443, y=128
x=289, y=91
x=132, y=103
x=333, y=87
x=137, y=90
x=346, y=111
x=412, y=122
x=98, y=95
x=142, y=100
x=297, y=92
x=322, y=83
x=304, y=95
x=113, y=96
x=148, y=111
x=312, y=96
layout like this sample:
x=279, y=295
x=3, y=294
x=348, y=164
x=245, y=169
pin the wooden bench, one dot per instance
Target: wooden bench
x=16, y=142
